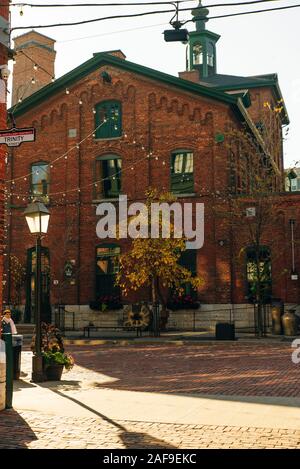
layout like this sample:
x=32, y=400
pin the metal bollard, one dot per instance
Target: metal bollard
x=9, y=369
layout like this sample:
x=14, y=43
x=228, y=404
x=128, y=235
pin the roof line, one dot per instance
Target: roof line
x=107, y=59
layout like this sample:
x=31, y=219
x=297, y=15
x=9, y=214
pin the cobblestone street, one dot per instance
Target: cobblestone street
x=161, y=396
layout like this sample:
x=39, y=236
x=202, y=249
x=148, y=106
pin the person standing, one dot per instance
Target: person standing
x=7, y=323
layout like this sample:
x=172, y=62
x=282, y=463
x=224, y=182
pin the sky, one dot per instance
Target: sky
x=249, y=45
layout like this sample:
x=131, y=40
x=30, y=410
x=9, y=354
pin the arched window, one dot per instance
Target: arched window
x=259, y=274
x=108, y=176
x=40, y=180
x=108, y=119
x=197, y=54
x=182, y=171
x=107, y=267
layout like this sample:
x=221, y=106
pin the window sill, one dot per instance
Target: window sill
x=107, y=138
x=181, y=195
x=105, y=199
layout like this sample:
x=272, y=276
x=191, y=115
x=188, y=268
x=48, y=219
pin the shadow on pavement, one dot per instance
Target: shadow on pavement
x=131, y=440
x=20, y=384
x=257, y=373
x=15, y=433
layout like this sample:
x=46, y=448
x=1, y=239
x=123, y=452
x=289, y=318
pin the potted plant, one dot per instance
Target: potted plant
x=54, y=357
x=54, y=363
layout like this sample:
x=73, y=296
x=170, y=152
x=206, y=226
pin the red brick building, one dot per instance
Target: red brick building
x=111, y=126
x=4, y=52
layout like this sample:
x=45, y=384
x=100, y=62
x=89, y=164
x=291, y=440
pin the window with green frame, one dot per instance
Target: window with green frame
x=182, y=172
x=188, y=259
x=265, y=271
x=109, y=117
x=108, y=176
x=40, y=180
x=107, y=267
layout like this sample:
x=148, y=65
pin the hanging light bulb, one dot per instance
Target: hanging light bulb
x=80, y=102
x=67, y=91
x=94, y=110
x=21, y=11
x=53, y=79
x=35, y=67
x=33, y=80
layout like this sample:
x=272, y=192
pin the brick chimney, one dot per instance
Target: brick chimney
x=34, y=64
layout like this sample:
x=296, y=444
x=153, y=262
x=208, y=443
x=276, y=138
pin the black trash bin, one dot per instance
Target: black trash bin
x=17, y=342
x=225, y=331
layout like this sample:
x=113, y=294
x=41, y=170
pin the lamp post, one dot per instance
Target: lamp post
x=37, y=217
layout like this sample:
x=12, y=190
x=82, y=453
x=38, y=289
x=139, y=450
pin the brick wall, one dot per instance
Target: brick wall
x=162, y=119
x=4, y=12
x=32, y=49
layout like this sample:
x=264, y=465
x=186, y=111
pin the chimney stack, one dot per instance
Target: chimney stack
x=34, y=64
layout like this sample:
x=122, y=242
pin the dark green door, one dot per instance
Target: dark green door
x=30, y=286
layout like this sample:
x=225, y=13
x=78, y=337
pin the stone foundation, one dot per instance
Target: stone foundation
x=205, y=318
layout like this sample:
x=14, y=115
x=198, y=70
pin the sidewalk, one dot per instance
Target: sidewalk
x=174, y=337
x=85, y=410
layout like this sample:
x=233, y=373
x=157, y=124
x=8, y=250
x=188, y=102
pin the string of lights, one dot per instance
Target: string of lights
x=63, y=156
x=37, y=66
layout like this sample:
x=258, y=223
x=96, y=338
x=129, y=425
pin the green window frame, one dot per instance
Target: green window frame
x=265, y=268
x=109, y=117
x=107, y=267
x=182, y=172
x=40, y=180
x=108, y=176
x=188, y=259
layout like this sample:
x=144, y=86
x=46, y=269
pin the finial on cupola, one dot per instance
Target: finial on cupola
x=200, y=16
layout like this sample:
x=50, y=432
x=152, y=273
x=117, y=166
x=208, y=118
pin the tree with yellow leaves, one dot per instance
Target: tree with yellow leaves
x=153, y=262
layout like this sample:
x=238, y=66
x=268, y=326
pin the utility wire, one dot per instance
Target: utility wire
x=66, y=5
x=136, y=4
x=249, y=12
x=135, y=15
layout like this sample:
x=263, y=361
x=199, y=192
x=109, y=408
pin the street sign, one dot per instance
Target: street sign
x=14, y=137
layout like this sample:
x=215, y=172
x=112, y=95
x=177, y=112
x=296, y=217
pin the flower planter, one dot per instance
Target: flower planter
x=289, y=323
x=54, y=372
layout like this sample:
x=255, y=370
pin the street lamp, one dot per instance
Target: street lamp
x=37, y=217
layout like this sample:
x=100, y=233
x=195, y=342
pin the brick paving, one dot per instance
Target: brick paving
x=221, y=369
x=244, y=369
x=33, y=430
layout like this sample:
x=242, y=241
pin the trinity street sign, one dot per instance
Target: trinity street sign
x=14, y=137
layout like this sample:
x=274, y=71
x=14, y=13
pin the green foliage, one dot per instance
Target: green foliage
x=58, y=358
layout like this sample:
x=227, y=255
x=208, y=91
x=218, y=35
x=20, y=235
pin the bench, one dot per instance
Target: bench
x=87, y=329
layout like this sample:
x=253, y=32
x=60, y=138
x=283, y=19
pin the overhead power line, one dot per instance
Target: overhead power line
x=135, y=15
x=74, y=5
